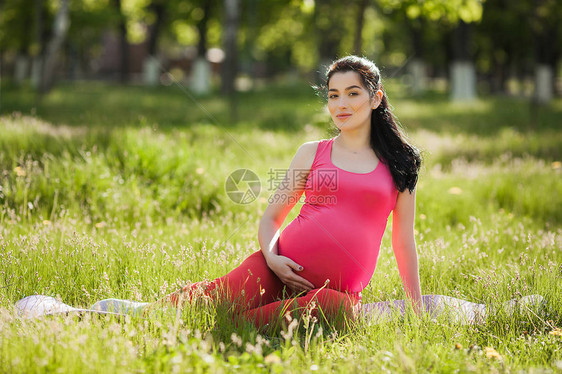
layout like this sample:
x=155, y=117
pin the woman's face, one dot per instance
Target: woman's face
x=349, y=102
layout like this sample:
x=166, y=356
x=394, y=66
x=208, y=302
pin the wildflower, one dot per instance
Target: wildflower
x=556, y=165
x=85, y=292
x=46, y=222
x=260, y=340
x=492, y=353
x=458, y=346
x=272, y=358
x=455, y=191
x=290, y=330
x=100, y=225
x=313, y=367
x=255, y=349
x=164, y=287
x=19, y=171
x=200, y=170
x=556, y=332
x=236, y=339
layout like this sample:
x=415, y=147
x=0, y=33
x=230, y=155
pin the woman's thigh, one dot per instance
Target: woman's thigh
x=248, y=286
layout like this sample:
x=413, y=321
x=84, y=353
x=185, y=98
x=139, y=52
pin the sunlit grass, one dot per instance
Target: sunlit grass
x=135, y=208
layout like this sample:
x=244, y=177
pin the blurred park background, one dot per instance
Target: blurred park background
x=467, y=47
x=120, y=121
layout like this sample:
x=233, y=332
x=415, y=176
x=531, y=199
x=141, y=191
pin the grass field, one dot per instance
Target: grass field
x=111, y=191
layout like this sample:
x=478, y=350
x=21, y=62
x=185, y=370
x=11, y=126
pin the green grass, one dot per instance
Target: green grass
x=111, y=191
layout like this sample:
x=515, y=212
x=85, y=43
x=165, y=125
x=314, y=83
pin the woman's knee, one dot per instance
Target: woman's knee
x=252, y=283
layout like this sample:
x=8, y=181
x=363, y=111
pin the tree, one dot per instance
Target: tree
x=455, y=13
x=359, y=22
x=408, y=16
x=463, y=73
x=230, y=63
x=39, y=44
x=151, y=65
x=124, y=50
x=499, y=39
x=60, y=29
x=201, y=75
x=546, y=26
x=283, y=36
x=90, y=20
x=329, y=30
x=16, y=16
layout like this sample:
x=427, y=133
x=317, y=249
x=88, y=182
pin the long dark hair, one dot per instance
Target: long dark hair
x=387, y=138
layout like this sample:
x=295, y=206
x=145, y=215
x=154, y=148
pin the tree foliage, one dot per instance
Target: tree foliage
x=279, y=35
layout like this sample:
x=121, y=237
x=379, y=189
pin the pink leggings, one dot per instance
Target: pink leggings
x=259, y=296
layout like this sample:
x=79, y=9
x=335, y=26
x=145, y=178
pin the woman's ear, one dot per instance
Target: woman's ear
x=377, y=99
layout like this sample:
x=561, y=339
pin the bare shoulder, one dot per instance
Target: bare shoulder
x=305, y=155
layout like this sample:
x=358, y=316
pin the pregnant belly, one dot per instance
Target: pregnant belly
x=341, y=256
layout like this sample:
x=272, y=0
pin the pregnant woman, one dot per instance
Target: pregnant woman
x=352, y=182
x=327, y=255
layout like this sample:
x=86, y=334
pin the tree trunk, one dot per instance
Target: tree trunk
x=417, y=66
x=122, y=27
x=498, y=75
x=359, y=22
x=230, y=65
x=202, y=28
x=327, y=18
x=21, y=69
x=159, y=10
x=37, y=55
x=544, y=77
x=201, y=72
x=554, y=66
x=230, y=62
x=151, y=64
x=60, y=29
x=463, y=74
x=250, y=19
x=544, y=52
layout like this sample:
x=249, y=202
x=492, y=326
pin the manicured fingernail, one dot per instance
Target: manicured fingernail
x=300, y=267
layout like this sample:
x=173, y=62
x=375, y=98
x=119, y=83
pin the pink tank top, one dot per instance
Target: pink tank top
x=337, y=234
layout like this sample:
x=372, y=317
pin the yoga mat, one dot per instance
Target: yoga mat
x=40, y=306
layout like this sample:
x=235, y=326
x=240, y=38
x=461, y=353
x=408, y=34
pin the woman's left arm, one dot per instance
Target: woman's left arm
x=404, y=246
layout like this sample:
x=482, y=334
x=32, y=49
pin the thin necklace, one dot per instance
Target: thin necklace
x=355, y=152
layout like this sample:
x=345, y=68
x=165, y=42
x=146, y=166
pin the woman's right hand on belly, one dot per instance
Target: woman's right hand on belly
x=285, y=269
